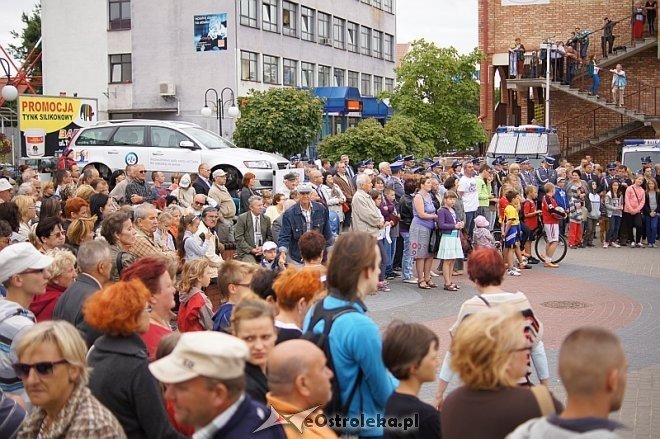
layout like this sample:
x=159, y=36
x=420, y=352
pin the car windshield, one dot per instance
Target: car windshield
x=633, y=159
x=207, y=138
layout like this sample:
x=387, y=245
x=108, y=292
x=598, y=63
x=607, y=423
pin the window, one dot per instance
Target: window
x=166, y=137
x=352, y=36
x=365, y=89
x=271, y=69
x=388, y=6
x=289, y=19
x=95, y=136
x=249, y=13
x=339, y=29
x=307, y=70
x=378, y=85
x=249, y=66
x=290, y=72
x=269, y=15
x=339, y=77
x=378, y=44
x=307, y=24
x=119, y=14
x=389, y=47
x=366, y=40
x=389, y=84
x=377, y=3
x=121, y=69
x=131, y=136
x=324, y=76
x=324, y=28
x=353, y=79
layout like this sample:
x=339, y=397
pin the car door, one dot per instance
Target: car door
x=166, y=153
x=92, y=146
x=128, y=145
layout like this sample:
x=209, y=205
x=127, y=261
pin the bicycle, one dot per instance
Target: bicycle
x=540, y=242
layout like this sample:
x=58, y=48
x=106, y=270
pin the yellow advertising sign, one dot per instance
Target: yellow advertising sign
x=47, y=123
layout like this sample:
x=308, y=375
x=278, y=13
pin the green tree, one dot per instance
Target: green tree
x=279, y=120
x=437, y=90
x=369, y=139
x=28, y=37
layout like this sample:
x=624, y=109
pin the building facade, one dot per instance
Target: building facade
x=156, y=58
x=587, y=125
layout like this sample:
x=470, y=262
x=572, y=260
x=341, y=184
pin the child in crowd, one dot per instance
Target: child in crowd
x=593, y=215
x=576, y=203
x=511, y=233
x=481, y=237
x=234, y=279
x=531, y=219
x=450, y=243
x=195, y=311
x=410, y=352
x=267, y=197
x=552, y=214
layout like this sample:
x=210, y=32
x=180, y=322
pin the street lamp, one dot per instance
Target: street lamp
x=220, y=102
x=9, y=92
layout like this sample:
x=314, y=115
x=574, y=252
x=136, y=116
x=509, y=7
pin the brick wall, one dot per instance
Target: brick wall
x=611, y=151
x=500, y=25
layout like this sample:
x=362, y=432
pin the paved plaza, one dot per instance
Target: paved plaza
x=615, y=288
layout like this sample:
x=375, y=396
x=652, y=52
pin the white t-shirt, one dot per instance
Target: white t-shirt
x=468, y=186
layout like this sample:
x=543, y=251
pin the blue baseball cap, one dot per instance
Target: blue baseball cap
x=456, y=164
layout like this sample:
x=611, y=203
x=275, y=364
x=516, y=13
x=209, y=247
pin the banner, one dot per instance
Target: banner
x=210, y=32
x=47, y=123
x=524, y=2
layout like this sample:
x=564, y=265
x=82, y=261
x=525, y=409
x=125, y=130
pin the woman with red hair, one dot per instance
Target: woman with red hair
x=486, y=269
x=296, y=291
x=156, y=274
x=75, y=208
x=121, y=380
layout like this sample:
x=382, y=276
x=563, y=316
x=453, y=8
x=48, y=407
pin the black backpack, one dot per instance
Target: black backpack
x=322, y=340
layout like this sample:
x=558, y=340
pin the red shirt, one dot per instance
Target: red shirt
x=547, y=203
x=532, y=222
x=152, y=337
x=42, y=306
x=503, y=203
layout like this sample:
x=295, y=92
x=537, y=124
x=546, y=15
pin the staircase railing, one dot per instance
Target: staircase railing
x=586, y=126
x=639, y=95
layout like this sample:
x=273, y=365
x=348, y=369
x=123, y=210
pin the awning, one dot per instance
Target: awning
x=336, y=97
x=372, y=107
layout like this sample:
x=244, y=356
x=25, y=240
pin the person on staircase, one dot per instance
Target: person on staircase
x=619, y=82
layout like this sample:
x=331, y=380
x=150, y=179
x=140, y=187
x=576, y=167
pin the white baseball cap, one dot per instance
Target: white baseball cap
x=268, y=245
x=20, y=257
x=4, y=185
x=209, y=354
x=219, y=173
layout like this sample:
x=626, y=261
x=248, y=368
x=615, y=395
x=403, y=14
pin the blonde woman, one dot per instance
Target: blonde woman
x=52, y=364
x=80, y=230
x=162, y=234
x=28, y=211
x=62, y=274
x=490, y=403
x=85, y=192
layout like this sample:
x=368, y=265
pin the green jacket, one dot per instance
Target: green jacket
x=484, y=191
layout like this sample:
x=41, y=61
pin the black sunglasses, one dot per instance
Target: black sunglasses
x=45, y=368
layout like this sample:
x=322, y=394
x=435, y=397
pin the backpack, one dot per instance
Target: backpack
x=322, y=340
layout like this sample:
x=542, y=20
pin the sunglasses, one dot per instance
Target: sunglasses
x=34, y=271
x=57, y=234
x=142, y=172
x=45, y=368
x=526, y=348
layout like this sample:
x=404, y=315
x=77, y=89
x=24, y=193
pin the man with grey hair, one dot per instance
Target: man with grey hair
x=290, y=183
x=316, y=178
x=385, y=172
x=366, y=215
x=251, y=231
x=201, y=202
x=94, y=262
x=25, y=189
x=119, y=190
x=137, y=191
x=222, y=197
x=90, y=173
x=145, y=219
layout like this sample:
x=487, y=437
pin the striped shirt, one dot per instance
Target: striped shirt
x=14, y=319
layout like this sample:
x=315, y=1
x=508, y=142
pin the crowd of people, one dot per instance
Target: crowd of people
x=196, y=307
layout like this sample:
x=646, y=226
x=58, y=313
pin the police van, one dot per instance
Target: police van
x=634, y=150
x=170, y=147
x=532, y=142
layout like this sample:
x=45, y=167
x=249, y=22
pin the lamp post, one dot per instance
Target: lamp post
x=220, y=102
x=9, y=92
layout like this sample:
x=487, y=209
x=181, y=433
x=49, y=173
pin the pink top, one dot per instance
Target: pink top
x=634, y=199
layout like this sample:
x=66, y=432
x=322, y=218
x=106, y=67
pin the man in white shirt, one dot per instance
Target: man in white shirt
x=290, y=184
x=467, y=189
x=221, y=196
x=252, y=230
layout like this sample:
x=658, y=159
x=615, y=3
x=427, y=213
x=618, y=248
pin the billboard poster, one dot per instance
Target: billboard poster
x=47, y=123
x=210, y=32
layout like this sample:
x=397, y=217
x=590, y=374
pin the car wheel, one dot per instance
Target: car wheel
x=234, y=177
x=104, y=171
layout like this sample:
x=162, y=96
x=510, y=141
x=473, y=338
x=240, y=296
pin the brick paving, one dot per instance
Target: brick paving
x=618, y=289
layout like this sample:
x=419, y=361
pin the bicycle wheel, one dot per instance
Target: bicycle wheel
x=560, y=251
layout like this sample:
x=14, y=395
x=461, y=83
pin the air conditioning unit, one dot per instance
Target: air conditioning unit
x=325, y=41
x=167, y=89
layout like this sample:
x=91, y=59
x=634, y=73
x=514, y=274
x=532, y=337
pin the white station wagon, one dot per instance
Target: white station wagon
x=170, y=147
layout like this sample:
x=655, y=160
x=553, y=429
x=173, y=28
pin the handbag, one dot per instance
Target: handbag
x=394, y=218
x=465, y=242
x=345, y=207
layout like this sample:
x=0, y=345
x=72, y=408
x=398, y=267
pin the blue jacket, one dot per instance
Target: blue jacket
x=249, y=416
x=561, y=198
x=293, y=226
x=355, y=343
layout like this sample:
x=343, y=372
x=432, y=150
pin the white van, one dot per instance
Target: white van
x=635, y=149
x=170, y=147
x=532, y=142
